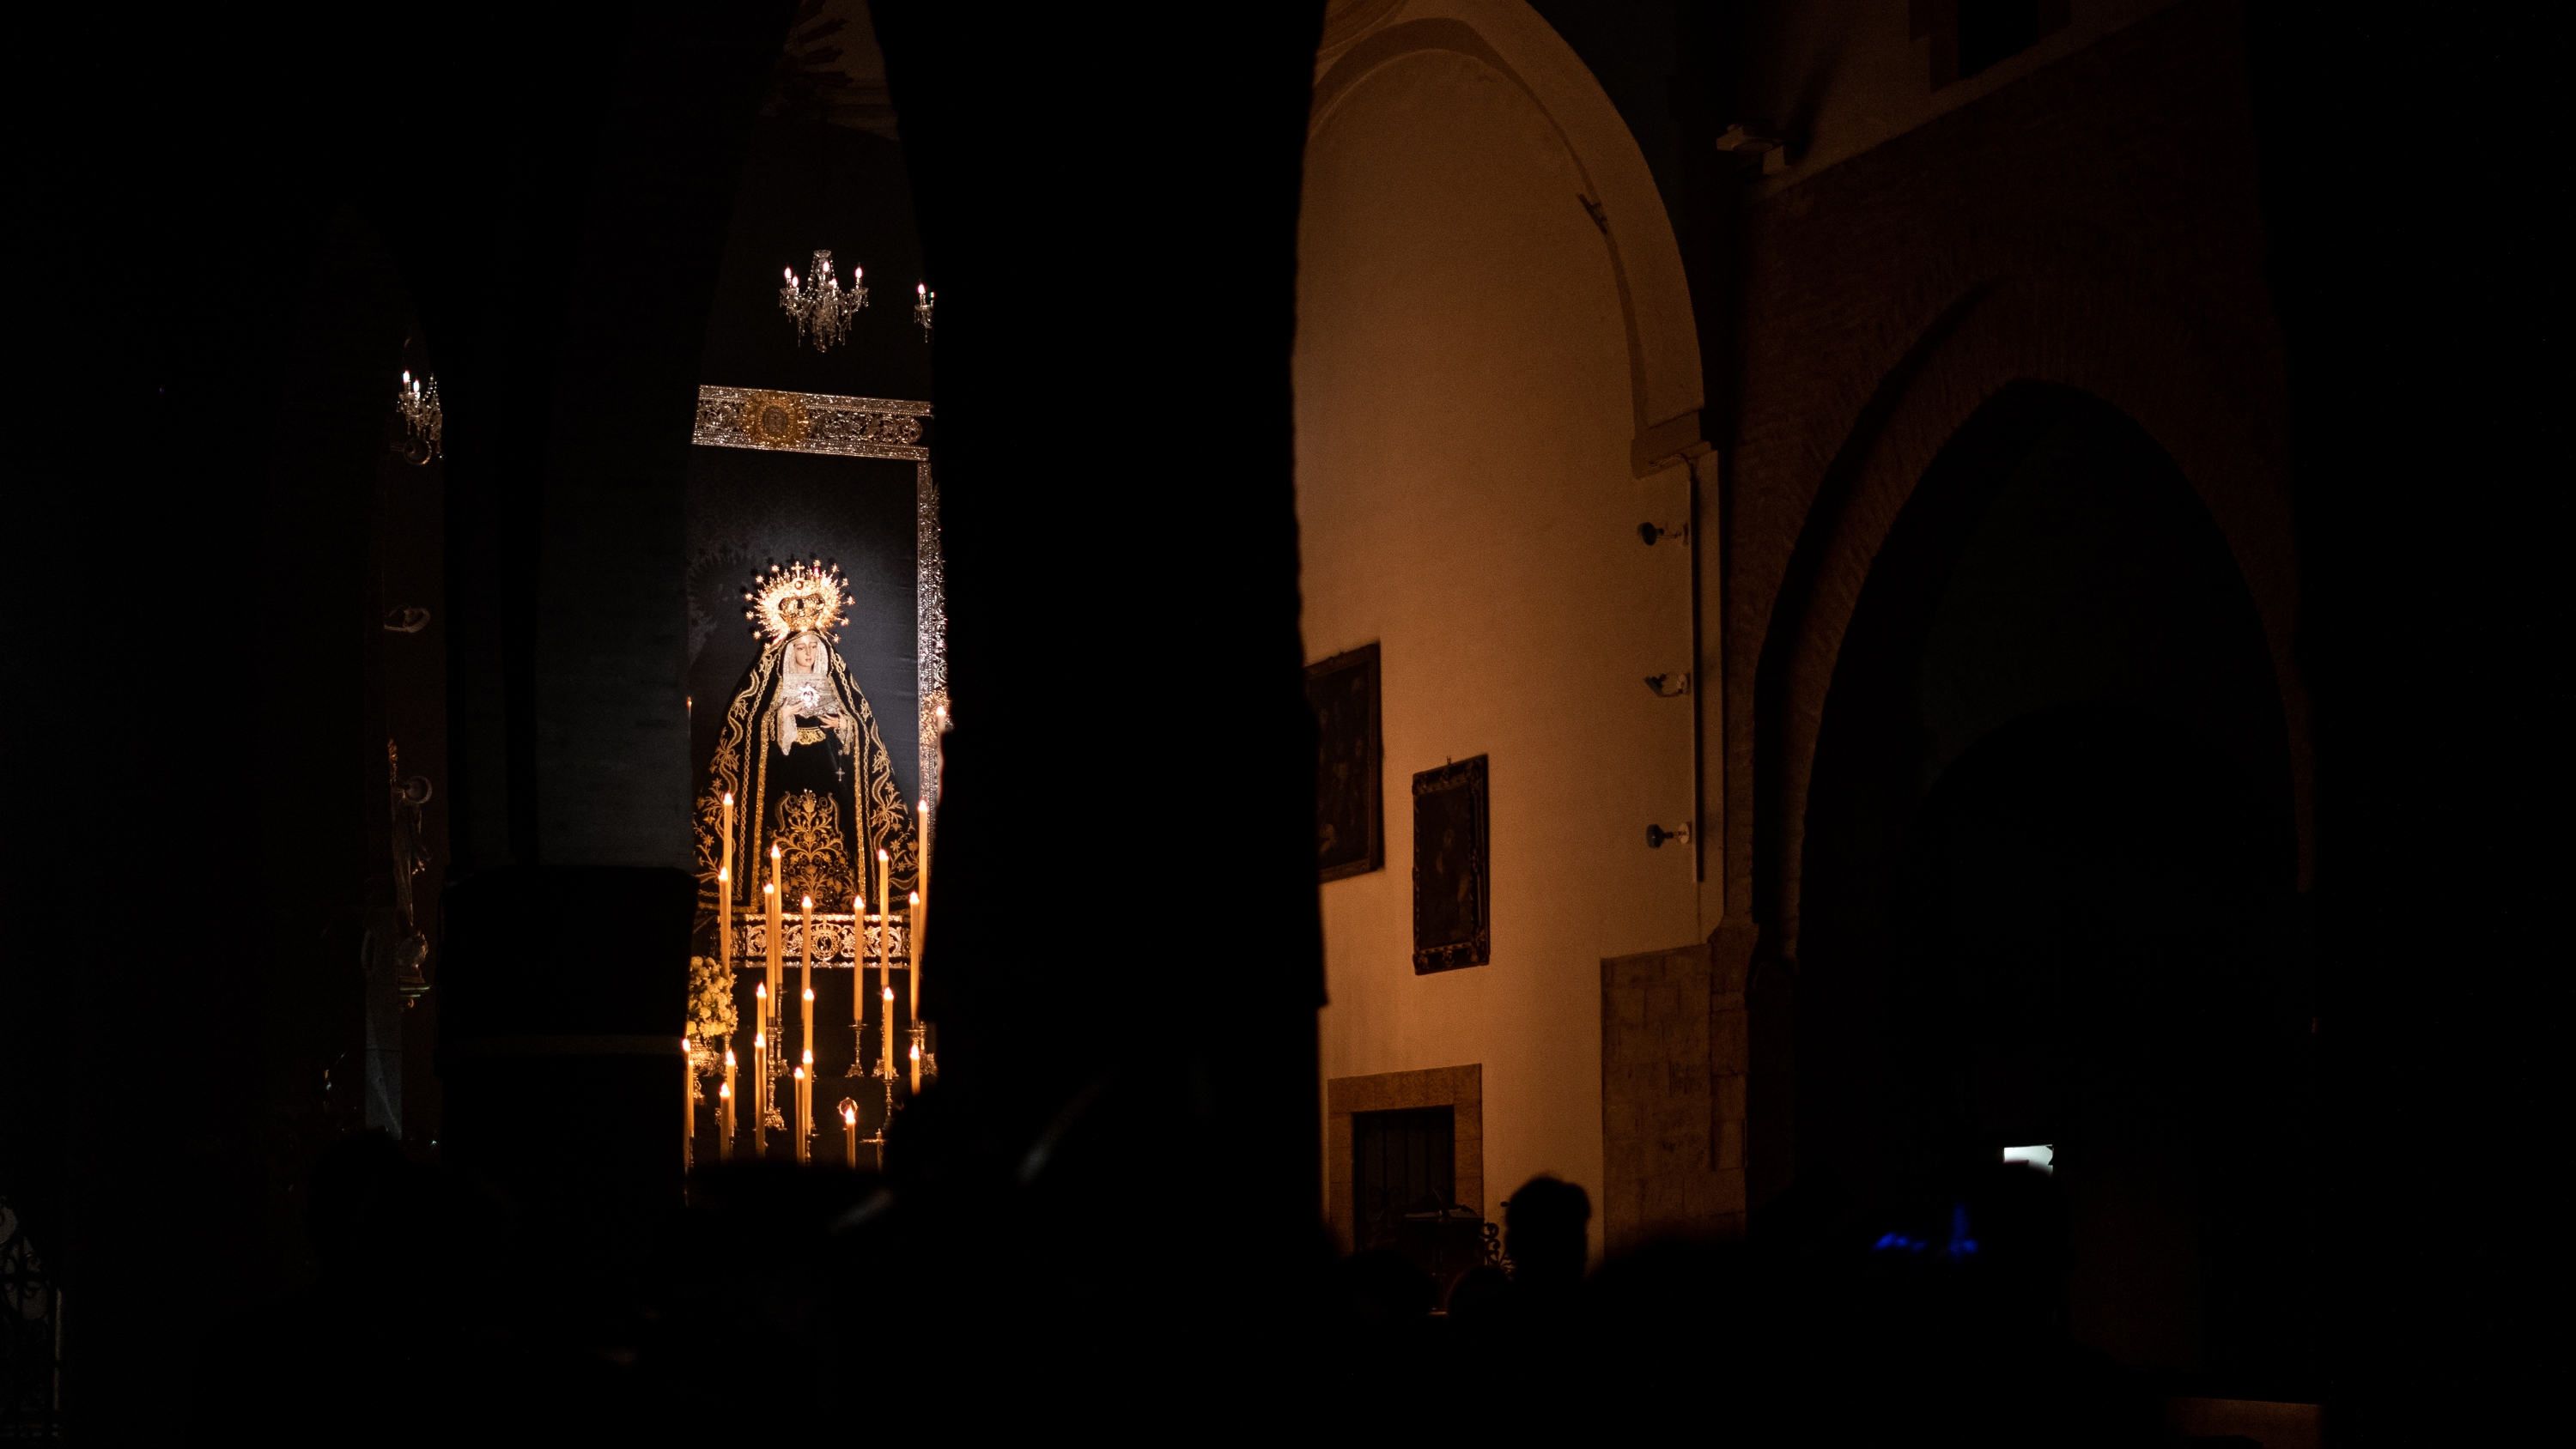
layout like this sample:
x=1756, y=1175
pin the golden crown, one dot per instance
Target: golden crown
x=796, y=598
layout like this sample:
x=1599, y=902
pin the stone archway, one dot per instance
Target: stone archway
x=2049, y=852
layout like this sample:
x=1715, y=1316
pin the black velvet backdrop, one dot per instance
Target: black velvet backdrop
x=747, y=508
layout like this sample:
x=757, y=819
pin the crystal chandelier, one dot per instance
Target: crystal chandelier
x=823, y=308
x=923, y=297
x=417, y=401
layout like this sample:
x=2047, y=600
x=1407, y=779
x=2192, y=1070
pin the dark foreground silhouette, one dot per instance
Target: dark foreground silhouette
x=971, y=1292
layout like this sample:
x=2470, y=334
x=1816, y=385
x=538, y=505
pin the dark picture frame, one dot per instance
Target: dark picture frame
x=1350, y=774
x=1452, y=898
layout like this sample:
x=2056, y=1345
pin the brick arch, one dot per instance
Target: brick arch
x=2063, y=328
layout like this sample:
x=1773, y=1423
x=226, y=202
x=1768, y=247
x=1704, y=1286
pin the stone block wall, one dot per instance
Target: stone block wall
x=1673, y=1056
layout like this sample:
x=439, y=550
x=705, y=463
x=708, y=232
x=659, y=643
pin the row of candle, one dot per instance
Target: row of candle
x=767, y=1025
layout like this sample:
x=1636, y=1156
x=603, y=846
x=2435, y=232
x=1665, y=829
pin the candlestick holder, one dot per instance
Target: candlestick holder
x=858, y=1051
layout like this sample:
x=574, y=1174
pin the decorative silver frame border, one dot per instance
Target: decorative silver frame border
x=847, y=427
x=867, y=427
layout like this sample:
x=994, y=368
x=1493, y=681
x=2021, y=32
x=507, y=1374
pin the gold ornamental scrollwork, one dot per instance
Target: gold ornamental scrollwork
x=814, y=860
x=775, y=420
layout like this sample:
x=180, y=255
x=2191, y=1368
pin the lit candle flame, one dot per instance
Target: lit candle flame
x=849, y=1112
x=728, y=1056
x=809, y=903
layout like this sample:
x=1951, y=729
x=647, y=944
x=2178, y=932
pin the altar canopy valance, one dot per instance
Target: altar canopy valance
x=810, y=422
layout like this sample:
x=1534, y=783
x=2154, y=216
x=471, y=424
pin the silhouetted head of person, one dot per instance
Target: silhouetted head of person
x=1543, y=1232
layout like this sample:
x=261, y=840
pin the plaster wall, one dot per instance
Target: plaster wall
x=1468, y=404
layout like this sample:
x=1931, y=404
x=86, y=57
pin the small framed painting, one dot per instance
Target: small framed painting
x=1350, y=793
x=1452, y=902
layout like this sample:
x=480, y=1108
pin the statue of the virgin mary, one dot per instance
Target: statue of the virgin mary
x=800, y=754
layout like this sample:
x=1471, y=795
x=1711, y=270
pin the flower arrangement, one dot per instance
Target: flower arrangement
x=711, y=1009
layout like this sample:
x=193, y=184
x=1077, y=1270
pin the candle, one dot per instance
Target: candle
x=775, y=908
x=724, y=1117
x=774, y=1018
x=760, y=1072
x=724, y=891
x=724, y=920
x=920, y=870
x=914, y=956
x=885, y=898
x=921, y=845
x=805, y=977
x=886, y=1058
x=688, y=1107
x=850, y=1131
x=804, y=1120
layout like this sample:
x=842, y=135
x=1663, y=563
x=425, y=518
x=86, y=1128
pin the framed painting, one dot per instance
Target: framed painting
x=1452, y=901
x=1350, y=790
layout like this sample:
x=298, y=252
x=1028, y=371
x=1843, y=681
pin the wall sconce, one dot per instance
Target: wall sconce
x=422, y=418
x=1669, y=686
x=1651, y=534
x=1756, y=149
x=1656, y=835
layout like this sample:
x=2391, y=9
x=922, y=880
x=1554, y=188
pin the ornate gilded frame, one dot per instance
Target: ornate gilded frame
x=857, y=427
x=1452, y=860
